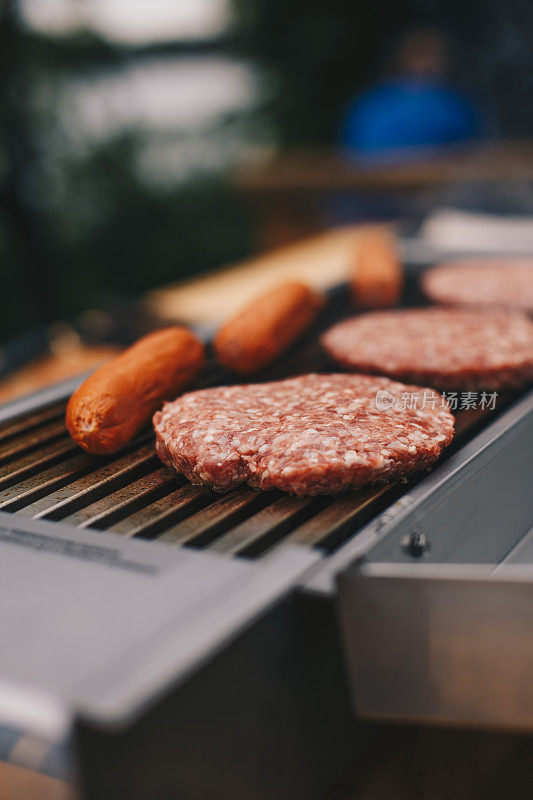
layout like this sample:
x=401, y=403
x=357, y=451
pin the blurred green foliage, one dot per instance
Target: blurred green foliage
x=81, y=225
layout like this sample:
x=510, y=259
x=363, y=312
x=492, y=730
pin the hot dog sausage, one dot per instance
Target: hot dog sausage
x=254, y=338
x=376, y=279
x=114, y=403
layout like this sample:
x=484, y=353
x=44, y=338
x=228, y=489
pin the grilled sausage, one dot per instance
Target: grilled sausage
x=263, y=330
x=376, y=279
x=114, y=403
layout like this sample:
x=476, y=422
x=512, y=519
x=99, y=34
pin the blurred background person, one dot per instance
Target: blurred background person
x=414, y=109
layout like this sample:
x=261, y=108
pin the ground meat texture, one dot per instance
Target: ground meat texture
x=450, y=349
x=314, y=434
x=475, y=282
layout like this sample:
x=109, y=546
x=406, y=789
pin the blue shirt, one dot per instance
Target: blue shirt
x=407, y=114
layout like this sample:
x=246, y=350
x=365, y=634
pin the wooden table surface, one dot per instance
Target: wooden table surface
x=21, y=784
x=401, y=763
x=290, y=193
x=325, y=171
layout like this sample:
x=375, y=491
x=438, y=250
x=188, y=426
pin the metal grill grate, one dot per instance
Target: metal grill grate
x=44, y=475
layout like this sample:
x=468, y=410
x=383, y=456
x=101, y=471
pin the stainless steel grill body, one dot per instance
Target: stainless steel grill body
x=168, y=627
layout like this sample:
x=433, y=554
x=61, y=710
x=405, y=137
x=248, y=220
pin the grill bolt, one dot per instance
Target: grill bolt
x=416, y=544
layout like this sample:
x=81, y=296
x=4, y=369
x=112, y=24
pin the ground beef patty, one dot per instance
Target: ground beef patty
x=449, y=348
x=506, y=284
x=313, y=434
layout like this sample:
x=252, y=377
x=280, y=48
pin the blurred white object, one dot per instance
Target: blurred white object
x=130, y=21
x=463, y=231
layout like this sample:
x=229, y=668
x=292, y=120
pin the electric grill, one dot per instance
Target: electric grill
x=186, y=643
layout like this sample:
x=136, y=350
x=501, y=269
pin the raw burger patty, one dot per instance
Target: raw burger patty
x=313, y=434
x=449, y=348
x=486, y=283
